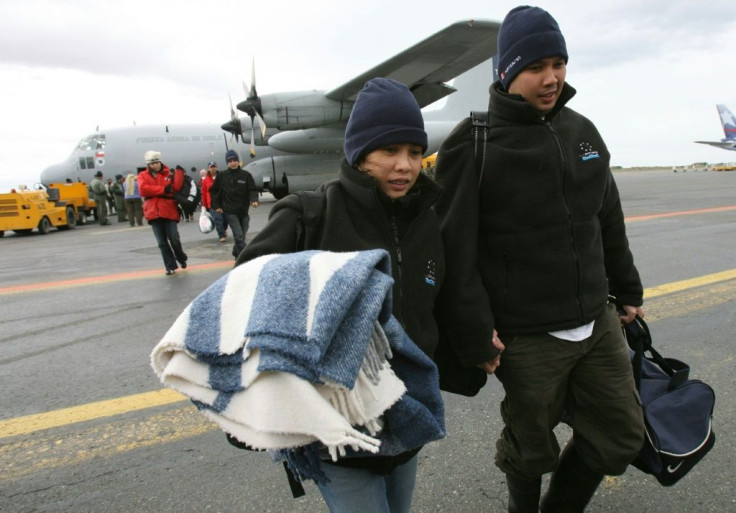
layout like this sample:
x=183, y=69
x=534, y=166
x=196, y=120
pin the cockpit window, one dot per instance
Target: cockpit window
x=92, y=142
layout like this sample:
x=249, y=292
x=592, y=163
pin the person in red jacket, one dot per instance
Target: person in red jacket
x=207, y=182
x=156, y=185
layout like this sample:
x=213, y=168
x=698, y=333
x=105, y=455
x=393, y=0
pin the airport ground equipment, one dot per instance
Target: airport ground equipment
x=77, y=195
x=59, y=205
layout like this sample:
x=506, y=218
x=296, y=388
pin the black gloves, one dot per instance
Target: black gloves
x=167, y=189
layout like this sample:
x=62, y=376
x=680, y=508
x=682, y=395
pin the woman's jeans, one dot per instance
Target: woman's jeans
x=357, y=489
x=167, y=236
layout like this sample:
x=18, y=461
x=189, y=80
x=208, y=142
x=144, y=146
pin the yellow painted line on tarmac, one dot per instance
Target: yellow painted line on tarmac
x=107, y=278
x=108, y=408
x=649, y=217
x=29, y=455
x=678, y=286
x=89, y=411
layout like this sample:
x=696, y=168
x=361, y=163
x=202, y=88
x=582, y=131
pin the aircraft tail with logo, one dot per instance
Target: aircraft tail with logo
x=728, y=122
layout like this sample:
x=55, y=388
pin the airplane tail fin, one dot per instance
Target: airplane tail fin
x=472, y=94
x=727, y=121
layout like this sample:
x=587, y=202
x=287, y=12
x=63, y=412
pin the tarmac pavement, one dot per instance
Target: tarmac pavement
x=85, y=428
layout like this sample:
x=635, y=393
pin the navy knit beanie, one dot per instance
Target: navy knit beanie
x=384, y=113
x=527, y=34
x=232, y=154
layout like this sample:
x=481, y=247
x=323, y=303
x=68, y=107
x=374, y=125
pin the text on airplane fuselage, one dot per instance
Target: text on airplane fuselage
x=176, y=138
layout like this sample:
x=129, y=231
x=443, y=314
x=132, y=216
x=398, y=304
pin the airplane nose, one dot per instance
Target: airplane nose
x=55, y=173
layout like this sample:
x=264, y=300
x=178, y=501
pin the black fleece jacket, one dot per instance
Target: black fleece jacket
x=233, y=191
x=540, y=244
x=356, y=216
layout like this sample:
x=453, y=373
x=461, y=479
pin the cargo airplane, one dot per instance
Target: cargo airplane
x=728, y=122
x=298, y=144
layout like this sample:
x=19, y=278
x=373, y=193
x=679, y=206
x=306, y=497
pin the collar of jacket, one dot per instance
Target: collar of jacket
x=165, y=171
x=231, y=172
x=505, y=105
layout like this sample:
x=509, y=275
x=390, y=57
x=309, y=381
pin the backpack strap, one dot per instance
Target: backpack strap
x=480, y=120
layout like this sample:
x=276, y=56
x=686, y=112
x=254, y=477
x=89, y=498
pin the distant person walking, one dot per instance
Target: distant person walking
x=156, y=185
x=133, y=201
x=118, y=195
x=233, y=192
x=207, y=181
x=99, y=192
x=110, y=202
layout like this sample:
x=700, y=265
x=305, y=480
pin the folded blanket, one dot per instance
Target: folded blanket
x=288, y=350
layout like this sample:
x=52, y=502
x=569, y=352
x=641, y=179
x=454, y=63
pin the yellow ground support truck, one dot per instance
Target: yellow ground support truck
x=59, y=205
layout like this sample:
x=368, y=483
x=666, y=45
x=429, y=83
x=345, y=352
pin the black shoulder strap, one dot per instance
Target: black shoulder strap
x=310, y=223
x=480, y=123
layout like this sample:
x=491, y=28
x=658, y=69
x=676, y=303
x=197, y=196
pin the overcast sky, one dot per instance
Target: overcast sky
x=648, y=73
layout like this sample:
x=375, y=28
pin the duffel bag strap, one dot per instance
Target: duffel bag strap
x=639, y=339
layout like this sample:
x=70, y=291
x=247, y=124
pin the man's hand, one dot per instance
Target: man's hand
x=254, y=204
x=218, y=210
x=631, y=313
x=491, y=365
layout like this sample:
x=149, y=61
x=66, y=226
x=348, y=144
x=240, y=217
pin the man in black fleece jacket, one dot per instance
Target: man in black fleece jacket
x=534, y=250
x=232, y=193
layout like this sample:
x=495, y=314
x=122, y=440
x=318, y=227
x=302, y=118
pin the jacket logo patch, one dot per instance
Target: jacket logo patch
x=429, y=274
x=587, y=152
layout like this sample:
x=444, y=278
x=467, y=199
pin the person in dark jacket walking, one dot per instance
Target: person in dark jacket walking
x=232, y=193
x=380, y=200
x=536, y=245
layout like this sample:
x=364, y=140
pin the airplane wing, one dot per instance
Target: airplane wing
x=728, y=145
x=426, y=66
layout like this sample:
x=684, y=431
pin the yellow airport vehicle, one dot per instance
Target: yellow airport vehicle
x=725, y=167
x=76, y=194
x=428, y=162
x=59, y=205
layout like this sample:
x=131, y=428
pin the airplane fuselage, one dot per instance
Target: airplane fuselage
x=121, y=150
x=299, y=141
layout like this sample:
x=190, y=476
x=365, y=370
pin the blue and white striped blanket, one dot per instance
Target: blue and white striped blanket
x=288, y=350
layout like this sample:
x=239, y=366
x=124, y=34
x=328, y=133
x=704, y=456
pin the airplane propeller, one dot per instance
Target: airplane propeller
x=252, y=107
x=233, y=126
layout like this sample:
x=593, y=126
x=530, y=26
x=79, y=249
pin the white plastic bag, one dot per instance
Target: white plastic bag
x=206, y=223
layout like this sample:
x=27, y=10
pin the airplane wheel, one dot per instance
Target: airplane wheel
x=44, y=226
x=279, y=193
x=2, y=234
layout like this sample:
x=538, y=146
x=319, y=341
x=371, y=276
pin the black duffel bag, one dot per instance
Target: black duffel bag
x=678, y=411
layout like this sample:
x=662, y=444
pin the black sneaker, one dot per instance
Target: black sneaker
x=169, y=272
x=183, y=264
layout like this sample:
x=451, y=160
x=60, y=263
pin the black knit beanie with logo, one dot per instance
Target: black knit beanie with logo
x=527, y=34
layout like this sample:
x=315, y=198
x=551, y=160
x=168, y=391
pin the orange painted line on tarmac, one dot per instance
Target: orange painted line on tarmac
x=681, y=213
x=136, y=275
x=107, y=278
